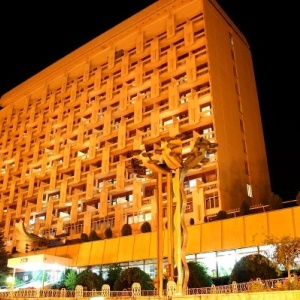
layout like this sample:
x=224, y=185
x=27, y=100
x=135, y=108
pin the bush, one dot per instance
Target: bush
x=70, y=280
x=222, y=215
x=222, y=280
x=130, y=276
x=245, y=208
x=275, y=202
x=198, y=275
x=113, y=273
x=288, y=284
x=108, y=233
x=292, y=284
x=146, y=227
x=90, y=280
x=256, y=285
x=126, y=230
x=65, y=278
x=93, y=236
x=252, y=267
x=84, y=237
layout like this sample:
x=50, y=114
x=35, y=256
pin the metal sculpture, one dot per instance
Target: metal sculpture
x=175, y=166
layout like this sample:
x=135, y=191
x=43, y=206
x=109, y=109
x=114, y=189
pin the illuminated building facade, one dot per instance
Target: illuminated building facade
x=68, y=133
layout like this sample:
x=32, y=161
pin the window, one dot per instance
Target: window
x=138, y=217
x=206, y=109
x=207, y=133
x=249, y=190
x=212, y=202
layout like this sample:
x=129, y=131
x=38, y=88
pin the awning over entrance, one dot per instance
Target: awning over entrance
x=39, y=262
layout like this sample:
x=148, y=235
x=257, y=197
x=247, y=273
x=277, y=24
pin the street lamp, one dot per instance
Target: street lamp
x=173, y=165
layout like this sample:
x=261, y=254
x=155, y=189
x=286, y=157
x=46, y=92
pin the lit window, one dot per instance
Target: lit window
x=207, y=110
x=230, y=38
x=249, y=191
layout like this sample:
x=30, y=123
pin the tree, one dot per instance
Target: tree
x=4, y=270
x=70, y=280
x=198, y=275
x=285, y=251
x=113, y=273
x=253, y=266
x=132, y=275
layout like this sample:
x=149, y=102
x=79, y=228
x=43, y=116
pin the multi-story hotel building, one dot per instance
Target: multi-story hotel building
x=68, y=133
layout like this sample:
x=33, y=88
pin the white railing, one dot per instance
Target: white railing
x=251, y=286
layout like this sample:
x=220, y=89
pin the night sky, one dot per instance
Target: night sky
x=33, y=37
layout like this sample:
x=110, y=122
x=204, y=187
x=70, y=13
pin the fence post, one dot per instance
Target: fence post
x=63, y=293
x=78, y=291
x=234, y=287
x=171, y=289
x=105, y=291
x=136, y=289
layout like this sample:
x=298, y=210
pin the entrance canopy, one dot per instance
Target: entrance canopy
x=39, y=262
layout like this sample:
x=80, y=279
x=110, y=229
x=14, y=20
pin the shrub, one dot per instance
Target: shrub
x=198, y=275
x=291, y=284
x=70, y=280
x=256, y=285
x=61, y=283
x=222, y=215
x=93, y=236
x=146, y=227
x=113, y=273
x=84, y=237
x=108, y=233
x=245, y=208
x=275, y=202
x=90, y=280
x=222, y=280
x=252, y=267
x=126, y=230
x=132, y=275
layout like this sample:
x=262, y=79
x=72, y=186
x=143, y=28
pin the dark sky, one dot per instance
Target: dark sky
x=33, y=37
